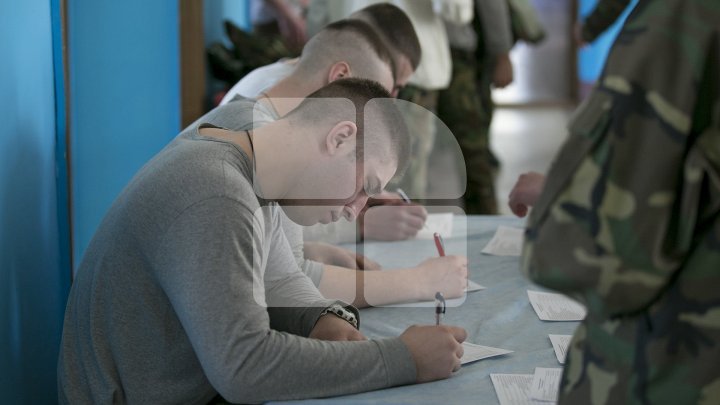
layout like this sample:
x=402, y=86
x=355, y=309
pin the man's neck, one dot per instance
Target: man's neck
x=279, y=157
x=287, y=94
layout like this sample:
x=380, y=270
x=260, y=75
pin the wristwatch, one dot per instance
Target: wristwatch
x=343, y=313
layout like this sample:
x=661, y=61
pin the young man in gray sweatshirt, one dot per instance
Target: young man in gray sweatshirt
x=189, y=289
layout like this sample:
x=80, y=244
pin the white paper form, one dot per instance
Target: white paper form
x=473, y=286
x=449, y=302
x=475, y=352
x=441, y=223
x=555, y=307
x=507, y=241
x=546, y=384
x=560, y=344
x=512, y=389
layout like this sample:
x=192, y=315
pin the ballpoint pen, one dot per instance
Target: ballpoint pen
x=439, y=299
x=406, y=200
x=439, y=307
x=404, y=196
x=439, y=244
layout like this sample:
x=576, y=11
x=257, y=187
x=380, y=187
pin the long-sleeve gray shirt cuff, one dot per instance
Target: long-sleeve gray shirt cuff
x=399, y=362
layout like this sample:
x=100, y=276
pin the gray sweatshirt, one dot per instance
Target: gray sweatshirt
x=169, y=302
x=241, y=114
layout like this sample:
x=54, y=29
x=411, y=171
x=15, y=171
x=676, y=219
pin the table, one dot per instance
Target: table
x=499, y=316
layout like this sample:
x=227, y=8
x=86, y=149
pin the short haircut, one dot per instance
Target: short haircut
x=353, y=41
x=395, y=29
x=381, y=127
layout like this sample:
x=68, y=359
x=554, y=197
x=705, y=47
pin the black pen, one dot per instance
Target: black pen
x=439, y=307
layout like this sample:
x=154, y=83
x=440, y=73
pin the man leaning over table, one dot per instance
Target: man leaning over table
x=189, y=290
x=390, y=218
x=327, y=57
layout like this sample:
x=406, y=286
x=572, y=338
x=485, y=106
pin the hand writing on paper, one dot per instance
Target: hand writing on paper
x=389, y=217
x=437, y=350
x=447, y=275
x=332, y=327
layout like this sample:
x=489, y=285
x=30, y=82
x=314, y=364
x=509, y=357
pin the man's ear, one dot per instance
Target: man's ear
x=339, y=70
x=341, y=138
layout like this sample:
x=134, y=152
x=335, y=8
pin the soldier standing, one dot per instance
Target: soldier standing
x=629, y=219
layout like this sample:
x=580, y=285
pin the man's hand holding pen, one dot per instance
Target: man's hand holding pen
x=390, y=217
x=437, y=350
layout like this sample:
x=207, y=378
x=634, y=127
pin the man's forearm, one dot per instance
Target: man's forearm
x=365, y=288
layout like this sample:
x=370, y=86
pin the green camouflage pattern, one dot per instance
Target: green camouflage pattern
x=421, y=124
x=466, y=107
x=629, y=220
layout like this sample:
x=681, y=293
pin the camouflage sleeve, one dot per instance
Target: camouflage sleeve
x=604, y=15
x=636, y=187
x=629, y=220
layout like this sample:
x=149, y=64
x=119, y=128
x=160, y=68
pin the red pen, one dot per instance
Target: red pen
x=439, y=244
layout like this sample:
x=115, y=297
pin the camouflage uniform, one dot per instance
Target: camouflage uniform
x=466, y=107
x=415, y=180
x=629, y=221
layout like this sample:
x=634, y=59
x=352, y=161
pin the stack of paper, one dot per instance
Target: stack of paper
x=546, y=384
x=541, y=388
x=555, y=307
x=507, y=241
x=512, y=389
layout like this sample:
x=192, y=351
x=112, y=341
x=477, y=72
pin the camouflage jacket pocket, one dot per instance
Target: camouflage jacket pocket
x=560, y=250
x=582, y=232
x=586, y=128
x=619, y=213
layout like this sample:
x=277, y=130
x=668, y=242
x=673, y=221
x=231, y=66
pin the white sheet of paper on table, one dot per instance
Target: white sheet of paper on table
x=449, y=303
x=560, y=344
x=555, y=307
x=473, y=286
x=507, y=241
x=441, y=223
x=512, y=389
x=546, y=384
x=475, y=352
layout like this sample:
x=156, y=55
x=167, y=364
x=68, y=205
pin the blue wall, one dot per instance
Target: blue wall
x=125, y=98
x=591, y=59
x=33, y=282
x=124, y=91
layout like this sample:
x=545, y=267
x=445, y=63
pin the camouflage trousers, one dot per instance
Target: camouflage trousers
x=466, y=107
x=421, y=124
